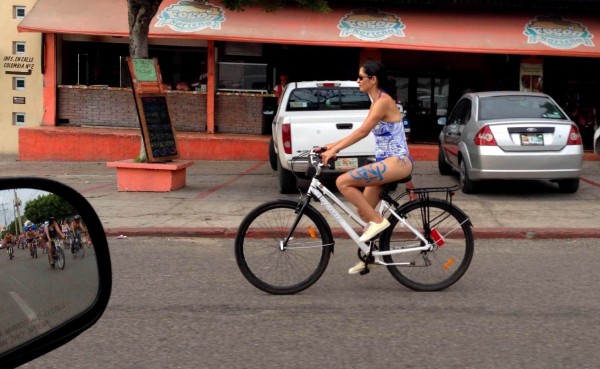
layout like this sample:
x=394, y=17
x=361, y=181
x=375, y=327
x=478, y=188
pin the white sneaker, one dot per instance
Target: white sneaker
x=373, y=230
x=359, y=267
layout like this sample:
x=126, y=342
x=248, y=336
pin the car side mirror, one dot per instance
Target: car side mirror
x=442, y=121
x=45, y=307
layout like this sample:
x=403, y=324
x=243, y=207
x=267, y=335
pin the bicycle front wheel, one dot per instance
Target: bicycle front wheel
x=281, y=269
x=59, y=257
x=451, y=255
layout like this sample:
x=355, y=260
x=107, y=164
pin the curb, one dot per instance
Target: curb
x=479, y=233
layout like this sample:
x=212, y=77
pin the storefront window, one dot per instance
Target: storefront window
x=436, y=90
x=243, y=77
x=103, y=64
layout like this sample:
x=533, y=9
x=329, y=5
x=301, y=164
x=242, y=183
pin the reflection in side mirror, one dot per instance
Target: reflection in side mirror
x=441, y=121
x=53, y=263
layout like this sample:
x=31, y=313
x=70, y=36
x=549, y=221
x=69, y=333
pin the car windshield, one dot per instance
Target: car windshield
x=320, y=98
x=509, y=107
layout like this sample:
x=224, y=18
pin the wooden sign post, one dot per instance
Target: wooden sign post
x=156, y=121
x=161, y=173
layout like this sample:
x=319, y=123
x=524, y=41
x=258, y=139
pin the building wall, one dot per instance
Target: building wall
x=27, y=66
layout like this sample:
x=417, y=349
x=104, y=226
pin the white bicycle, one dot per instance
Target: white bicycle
x=284, y=246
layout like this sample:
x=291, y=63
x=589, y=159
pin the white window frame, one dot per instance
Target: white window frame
x=16, y=116
x=16, y=9
x=16, y=45
x=16, y=81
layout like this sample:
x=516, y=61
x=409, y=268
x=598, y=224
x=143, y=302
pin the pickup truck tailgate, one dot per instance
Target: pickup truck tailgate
x=325, y=127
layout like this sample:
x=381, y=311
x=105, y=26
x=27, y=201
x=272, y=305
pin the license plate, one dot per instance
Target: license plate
x=535, y=139
x=346, y=163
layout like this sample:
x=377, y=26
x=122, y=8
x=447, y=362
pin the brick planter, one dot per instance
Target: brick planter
x=150, y=177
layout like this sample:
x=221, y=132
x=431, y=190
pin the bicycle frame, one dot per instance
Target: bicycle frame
x=322, y=194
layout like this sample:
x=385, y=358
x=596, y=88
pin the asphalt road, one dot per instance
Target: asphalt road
x=182, y=303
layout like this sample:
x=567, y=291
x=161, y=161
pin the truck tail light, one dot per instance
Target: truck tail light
x=574, y=136
x=286, y=135
x=485, y=137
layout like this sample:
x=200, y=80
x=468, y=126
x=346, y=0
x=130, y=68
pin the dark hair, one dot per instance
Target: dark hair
x=385, y=83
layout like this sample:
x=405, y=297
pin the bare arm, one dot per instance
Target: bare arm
x=378, y=111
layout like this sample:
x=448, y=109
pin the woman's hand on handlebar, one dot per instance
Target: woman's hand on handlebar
x=329, y=154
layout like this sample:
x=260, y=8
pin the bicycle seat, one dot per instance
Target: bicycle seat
x=390, y=187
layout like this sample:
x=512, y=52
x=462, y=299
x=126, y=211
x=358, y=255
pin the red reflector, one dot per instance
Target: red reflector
x=437, y=237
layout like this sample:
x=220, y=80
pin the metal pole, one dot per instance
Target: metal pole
x=18, y=213
x=4, y=211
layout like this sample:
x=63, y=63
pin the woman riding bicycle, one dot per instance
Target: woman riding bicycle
x=52, y=231
x=9, y=240
x=393, y=161
x=77, y=228
x=30, y=235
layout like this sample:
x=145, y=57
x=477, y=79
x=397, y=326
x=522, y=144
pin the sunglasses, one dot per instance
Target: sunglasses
x=361, y=77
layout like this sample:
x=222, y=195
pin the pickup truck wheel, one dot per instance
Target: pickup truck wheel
x=287, y=180
x=444, y=168
x=272, y=154
x=467, y=185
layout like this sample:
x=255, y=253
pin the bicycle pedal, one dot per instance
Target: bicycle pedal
x=365, y=271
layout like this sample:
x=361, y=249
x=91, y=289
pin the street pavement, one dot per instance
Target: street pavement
x=218, y=194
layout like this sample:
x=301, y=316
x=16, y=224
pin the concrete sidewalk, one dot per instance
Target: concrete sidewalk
x=219, y=194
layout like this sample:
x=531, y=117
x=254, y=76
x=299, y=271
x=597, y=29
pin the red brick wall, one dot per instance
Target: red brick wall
x=115, y=107
x=96, y=107
x=239, y=113
x=189, y=111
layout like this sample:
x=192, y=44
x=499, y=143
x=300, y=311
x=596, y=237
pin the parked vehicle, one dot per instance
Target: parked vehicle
x=597, y=141
x=510, y=135
x=314, y=114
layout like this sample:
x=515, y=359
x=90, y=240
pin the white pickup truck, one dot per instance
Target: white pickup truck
x=314, y=114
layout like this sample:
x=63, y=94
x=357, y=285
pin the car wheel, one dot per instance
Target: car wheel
x=272, y=154
x=467, y=185
x=568, y=185
x=287, y=180
x=444, y=168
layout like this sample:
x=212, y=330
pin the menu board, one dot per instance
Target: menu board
x=157, y=128
x=145, y=70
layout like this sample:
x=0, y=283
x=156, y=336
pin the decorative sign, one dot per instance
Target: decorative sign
x=191, y=16
x=145, y=70
x=557, y=32
x=18, y=65
x=371, y=25
x=18, y=100
x=157, y=129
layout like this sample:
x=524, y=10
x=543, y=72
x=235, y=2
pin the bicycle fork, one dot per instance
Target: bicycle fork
x=299, y=212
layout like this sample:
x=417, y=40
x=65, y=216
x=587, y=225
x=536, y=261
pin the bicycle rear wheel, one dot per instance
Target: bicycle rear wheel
x=273, y=268
x=448, y=261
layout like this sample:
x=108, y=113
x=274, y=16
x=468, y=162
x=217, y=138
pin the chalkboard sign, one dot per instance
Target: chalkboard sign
x=156, y=123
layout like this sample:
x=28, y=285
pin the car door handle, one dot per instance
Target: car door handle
x=344, y=125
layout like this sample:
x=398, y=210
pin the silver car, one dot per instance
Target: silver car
x=510, y=135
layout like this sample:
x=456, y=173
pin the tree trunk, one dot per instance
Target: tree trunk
x=140, y=13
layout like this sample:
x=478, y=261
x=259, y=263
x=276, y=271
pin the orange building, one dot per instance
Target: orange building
x=222, y=65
